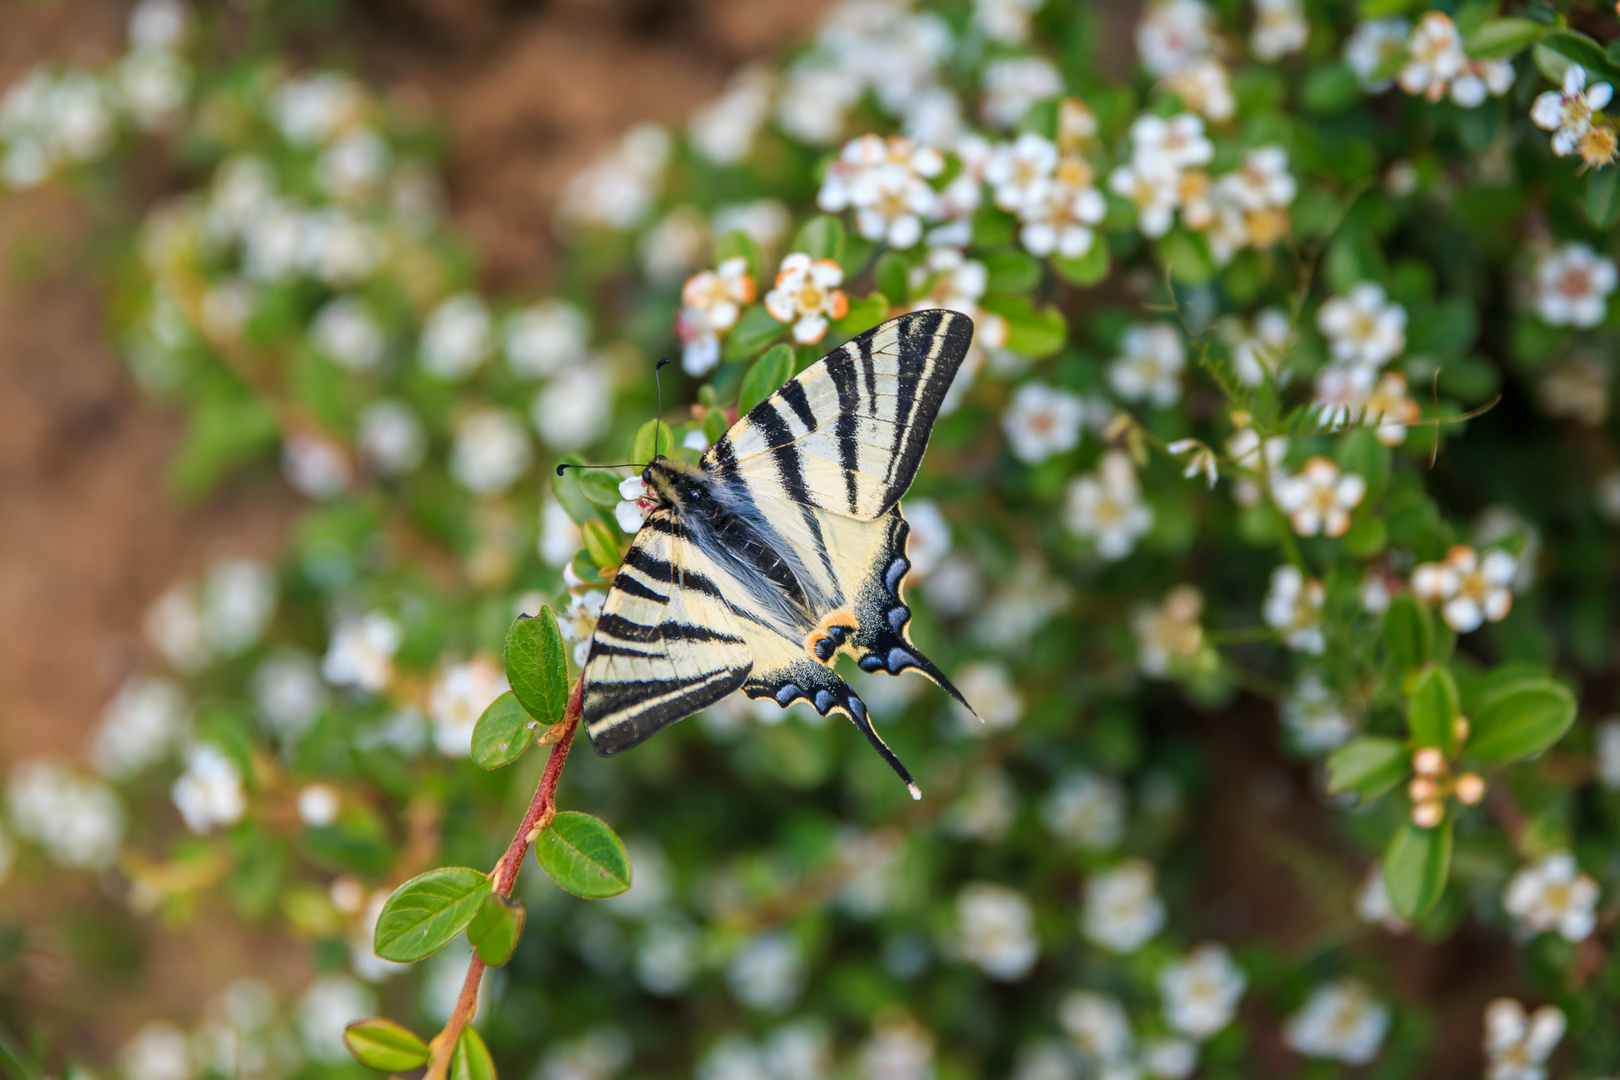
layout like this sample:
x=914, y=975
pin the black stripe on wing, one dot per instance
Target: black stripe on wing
x=649, y=706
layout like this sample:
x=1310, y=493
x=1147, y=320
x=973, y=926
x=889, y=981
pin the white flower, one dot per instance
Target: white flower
x=1155, y=192
x=806, y=295
x=145, y=720
x=767, y=973
x=152, y=85
x=1258, y=348
x=1201, y=991
x=209, y=793
x=814, y=99
x=456, y=337
x=1517, y=1045
x=1019, y=172
x=1244, y=448
x=1554, y=895
x=1173, y=1059
x=634, y=505
x=1149, y=366
x=1293, y=605
x=619, y=188
x=1086, y=810
x=559, y=537
x=158, y=24
x=884, y=181
x=985, y=811
x=1042, y=422
x=764, y=221
x=577, y=622
x=238, y=599
x=1162, y=145
x=1204, y=86
x=1318, y=498
x=1567, y=112
x=288, y=692
x=1373, y=904
x=1316, y=719
x=1434, y=56
x=353, y=166
x=318, y=805
x=1173, y=33
x=898, y=1051
x=391, y=438
x=996, y=930
x=77, y=820
x=712, y=302
x=1280, y=28
x=1607, y=763
x=314, y=465
x=1063, y=220
x=575, y=408
x=1169, y=635
x=1341, y=1021
x=1012, y=85
x=731, y=1058
x=1391, y=408
x=1106, y=507
x=331, y=1003
x=361, y=652
x=309, y=111
x=1572, y=286
x=1005, y=20
x=1469, y=588
x=174, y=625
x=1362, y=327
x=1122, y=910
x=801, y=1050
x=345, y=331
x=988, y=687
x=546, y=338
x=337, y=249
x=929, y=539
x=666, y=958
x=1481, y=79
x=1098, y=1025
x=459, y=697
x=490, y=453
x=723, y=131
x=158, y=1051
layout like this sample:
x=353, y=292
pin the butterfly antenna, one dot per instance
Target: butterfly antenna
x=658, y=386
x=621, y=465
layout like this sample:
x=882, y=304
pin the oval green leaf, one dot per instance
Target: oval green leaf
x=755, y=330
x=765, y=377
x=496, y=929
x=863, y=314
x=1408, y=634
x=1603, y=197
x=1502, y=38
x=653, y=433
x=1415, y=868
x=1521, y=719
x=1368, y=766
x=822, y=237
x=1431, y=711
x=893, y=277
x=503, y=733
x=385, y=1046
x=471, y=1060
x=1088, y=269
x=537, y=666
x=600, y=544
x=426, y=912
x=1031, y=332
x=583, y=855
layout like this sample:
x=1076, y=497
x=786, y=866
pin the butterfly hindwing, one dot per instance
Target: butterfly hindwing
x=667, y=643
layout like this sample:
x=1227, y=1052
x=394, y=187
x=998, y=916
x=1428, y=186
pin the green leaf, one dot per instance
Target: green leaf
x=863, y=314
x=537, y=666
x=600, y=544
x=570, y=496
x=1361, y=453
x=385, y=1046
x=1088, y=269
x=427, y=911
x=1186, y=257
x=1602, y=203
x=642, y=449
x=736, y=243
x=822, y=237
x=1330, y=89
x=1408, y=633
x=583, y=855
x=1431, y=710
x=1368, y=766
x=495, y=930
x=503, y=733
x=765, y=377
x=600, y=488
x=1011, y=272
x=893, y=277
x=1577, y=48
x=471, y=1060
x=1416, y=865
x=1501, y=38
x=1520, y=719
x=753, y=332
x=1030, y=332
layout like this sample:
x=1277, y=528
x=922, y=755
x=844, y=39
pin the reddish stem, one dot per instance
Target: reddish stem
x=542, y=808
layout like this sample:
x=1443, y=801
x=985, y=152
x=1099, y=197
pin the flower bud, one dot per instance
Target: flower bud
x=1422, y=789
x=1429, y=761
x=1426, y=815
x=1460, y=729
x=1470, y=788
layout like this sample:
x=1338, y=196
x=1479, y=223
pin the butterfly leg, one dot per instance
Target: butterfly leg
x=827, y=693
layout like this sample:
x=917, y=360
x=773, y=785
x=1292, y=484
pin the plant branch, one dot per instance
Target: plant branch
x=542, y=808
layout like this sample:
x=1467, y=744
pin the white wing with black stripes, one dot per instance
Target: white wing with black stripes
x=785, y=547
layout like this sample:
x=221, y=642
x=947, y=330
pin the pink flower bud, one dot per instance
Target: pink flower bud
x=1429, y=761
x=1426, y=815
x=1422, y=789
x=1470, y=788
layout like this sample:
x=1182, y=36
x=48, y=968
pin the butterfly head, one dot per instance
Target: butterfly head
x=677, y=485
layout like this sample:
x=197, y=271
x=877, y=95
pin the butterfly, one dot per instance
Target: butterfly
x=783, y=547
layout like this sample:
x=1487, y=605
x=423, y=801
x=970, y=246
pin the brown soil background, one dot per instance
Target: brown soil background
x=530, y=91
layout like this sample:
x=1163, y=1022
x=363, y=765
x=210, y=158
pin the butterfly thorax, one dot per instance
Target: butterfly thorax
x=696, y=503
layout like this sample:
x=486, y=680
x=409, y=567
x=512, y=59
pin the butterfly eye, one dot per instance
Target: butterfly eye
x=646, y=477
